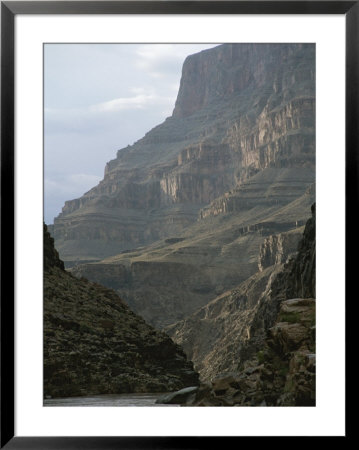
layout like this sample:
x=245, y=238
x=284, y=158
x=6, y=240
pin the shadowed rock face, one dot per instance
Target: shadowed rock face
x=51, y=255
x=227, y=333
x=241, y=136
x=94, y=344
x=284, y=374
x=255, y=346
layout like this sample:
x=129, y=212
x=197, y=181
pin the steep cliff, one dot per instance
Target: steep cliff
x=282, y=375
x=241, y=136
x=256, y=345
x=174, y=277
x=278, y=247
x=94, y=344
x=227, y=332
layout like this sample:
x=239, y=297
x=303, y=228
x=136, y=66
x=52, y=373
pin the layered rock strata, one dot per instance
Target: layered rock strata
x=270, y=360
x=243, y=112
x=278, y=247
x=171, y=279
x=94, y=344
x=284, y=374
x=226, y=335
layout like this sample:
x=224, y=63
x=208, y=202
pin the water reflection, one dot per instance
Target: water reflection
x=107, y=400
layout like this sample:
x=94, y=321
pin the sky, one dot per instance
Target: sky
x=99, y=98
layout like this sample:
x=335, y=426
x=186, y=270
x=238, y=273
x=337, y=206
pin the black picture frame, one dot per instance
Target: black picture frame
x=9, y=9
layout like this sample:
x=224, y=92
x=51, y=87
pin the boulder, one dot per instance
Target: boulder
x=178, y=397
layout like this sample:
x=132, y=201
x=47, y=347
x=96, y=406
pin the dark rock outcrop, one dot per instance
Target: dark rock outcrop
x=213, y=336
x=284, y=374
x=261, y=335
x=51, y=255
x=298, y=280
x=94, y=344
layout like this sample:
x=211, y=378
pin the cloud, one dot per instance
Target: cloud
x=104, y=115
x=98, y=99
x=139, y=101
x=73, y=184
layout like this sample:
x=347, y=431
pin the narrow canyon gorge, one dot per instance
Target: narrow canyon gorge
x=192, y=263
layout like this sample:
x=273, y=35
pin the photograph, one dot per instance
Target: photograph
x=179, y=234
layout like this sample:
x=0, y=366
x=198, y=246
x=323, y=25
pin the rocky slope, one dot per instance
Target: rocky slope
x=94, y=344
x=256, y=345
x=283, y=374
x=241, y=137
x=216, y=336
x=213, y=336
x=174, y=277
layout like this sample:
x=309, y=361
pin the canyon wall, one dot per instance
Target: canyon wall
x=255, y=345
x=229, y=330
x=196, y=227
x=243, y=112
x=94, y=344
x=172, y=278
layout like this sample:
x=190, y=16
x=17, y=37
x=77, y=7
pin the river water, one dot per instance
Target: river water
x=107, y=400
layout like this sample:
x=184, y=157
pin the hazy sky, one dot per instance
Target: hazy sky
x=98, y=99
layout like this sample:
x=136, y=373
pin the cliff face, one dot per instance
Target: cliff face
x=94, y=344
x=227, y=70
x=244, y=112
x=299, y=277
x=284, y=371
x=256, y=344
x=278, y=247
x=213, y=336
x=227, y=333
x=180, y=215
x=174, y=277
